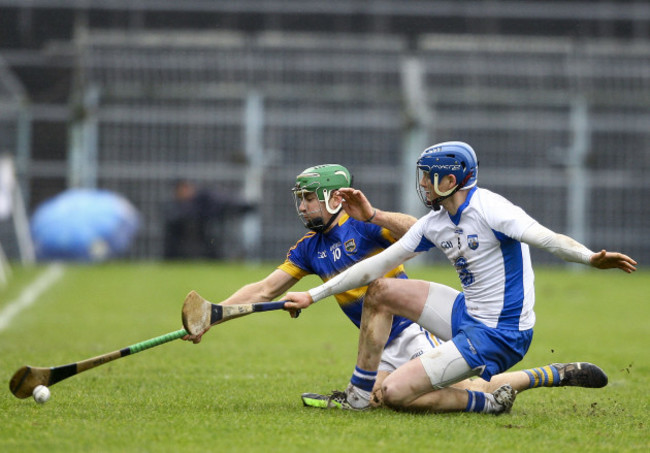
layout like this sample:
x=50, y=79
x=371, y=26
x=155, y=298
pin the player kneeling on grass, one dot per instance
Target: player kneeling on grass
x=345, y=229
x=489, y=324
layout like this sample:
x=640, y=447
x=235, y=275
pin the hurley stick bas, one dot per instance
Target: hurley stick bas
x=24, y=380
x=199, y=314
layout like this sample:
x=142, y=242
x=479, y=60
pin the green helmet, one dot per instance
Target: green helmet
x=322, y=180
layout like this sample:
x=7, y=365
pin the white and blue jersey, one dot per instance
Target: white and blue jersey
x=482, y=241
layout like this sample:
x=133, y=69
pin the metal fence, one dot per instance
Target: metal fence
x=242, y=114
x=560, y=127
x=14, y=150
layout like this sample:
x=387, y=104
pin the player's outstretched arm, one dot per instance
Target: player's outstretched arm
x=272, y=286
x=357, y=206
x=267, y=289
x=571, y=250
x=613, y=260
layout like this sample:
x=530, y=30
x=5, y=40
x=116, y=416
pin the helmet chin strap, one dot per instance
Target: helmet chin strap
x=321, y=227
x=326, y=196
x=438, y=191
x=435, y=204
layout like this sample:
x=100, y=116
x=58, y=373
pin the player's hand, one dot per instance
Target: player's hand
x=613, y=260
x=355, y=204
x=196, y=339
x=296, y=302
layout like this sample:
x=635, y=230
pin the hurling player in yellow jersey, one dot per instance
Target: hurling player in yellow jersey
x=344, y=228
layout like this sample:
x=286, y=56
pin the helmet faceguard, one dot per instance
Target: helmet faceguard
x=321, y=180
x=447, y=158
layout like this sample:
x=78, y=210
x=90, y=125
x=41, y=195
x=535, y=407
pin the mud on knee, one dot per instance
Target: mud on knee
x=375, y=294
x=391, y=396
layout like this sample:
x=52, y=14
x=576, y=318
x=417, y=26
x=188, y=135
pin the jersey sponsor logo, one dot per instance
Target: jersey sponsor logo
x=458, y=232
x=350, y=246
x=472, y=241
x=446, y=245
x=322, y=254
x=335, y=250
x=465, y=275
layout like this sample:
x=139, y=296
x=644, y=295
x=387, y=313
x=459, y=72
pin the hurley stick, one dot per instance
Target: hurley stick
x=24, y=380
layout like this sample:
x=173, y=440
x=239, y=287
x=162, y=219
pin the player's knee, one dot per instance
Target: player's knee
x=392, y=396
x=376, y=294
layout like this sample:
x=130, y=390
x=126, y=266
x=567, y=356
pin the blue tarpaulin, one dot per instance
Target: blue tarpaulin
x=84, y=225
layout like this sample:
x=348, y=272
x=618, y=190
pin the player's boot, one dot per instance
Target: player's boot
x=580, y=374
x=315, y=400
x=348, y=400
x=501, y=400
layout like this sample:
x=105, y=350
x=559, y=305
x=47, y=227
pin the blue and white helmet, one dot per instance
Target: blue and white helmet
x=447, y=158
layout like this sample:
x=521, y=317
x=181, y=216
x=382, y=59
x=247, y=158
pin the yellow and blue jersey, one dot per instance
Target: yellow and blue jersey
x=329, y=254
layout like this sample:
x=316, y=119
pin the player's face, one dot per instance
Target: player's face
x=309, y=204
x=425, y=183
x=311, y=210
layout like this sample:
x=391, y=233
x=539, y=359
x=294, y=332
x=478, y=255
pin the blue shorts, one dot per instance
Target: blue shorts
x=492, y=350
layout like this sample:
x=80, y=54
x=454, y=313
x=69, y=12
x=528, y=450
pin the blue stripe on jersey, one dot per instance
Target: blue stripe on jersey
x=424, y=245
x=513, y=298
x=456, y=217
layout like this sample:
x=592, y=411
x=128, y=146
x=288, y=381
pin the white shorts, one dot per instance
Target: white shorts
x=413, y=342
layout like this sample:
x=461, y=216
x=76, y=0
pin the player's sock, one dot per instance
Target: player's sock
x=361, y=385
x=544, y=376
x=491, y=403
x=363, y=380
x=476, y=401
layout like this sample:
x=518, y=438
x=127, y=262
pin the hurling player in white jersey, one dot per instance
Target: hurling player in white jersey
x=490, y=324
x=334, y=213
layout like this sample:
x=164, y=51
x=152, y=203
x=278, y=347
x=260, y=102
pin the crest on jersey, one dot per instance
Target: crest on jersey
x=350, y=246
x=472, y=241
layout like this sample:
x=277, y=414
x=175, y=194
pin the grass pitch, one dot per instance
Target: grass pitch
x=239, y=390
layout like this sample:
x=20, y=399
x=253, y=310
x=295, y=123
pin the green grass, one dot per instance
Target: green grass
x=239, y=390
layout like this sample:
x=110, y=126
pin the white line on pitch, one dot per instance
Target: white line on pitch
x=29, y=295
